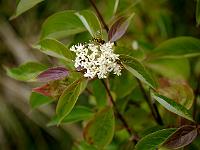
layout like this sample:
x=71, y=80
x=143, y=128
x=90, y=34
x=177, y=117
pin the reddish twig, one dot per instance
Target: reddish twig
x=99, y=15
x=196, y=93
x=119, y=115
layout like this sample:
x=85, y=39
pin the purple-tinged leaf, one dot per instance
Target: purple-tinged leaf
x=119, y=28
x=182, y=137
x=53, y=74
x=44, y=90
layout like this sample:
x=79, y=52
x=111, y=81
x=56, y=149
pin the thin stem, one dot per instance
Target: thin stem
x=154, y=110
x=119, y=115
x=99, y=15
x=196, y=93
x=135, y=137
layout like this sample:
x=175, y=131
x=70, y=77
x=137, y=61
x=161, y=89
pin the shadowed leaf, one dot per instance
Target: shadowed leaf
x=24, y=5
x=170, y=68
x=78, y=113
x=37, y=100
x=100, y=130
x=119, y=28
x=178, y=47
x=53, y=74
x=198, y=12
x=178, y=90
x=99, y=92
x=182, y=137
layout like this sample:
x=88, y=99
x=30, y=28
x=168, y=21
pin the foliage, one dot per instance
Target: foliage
x=109, y=115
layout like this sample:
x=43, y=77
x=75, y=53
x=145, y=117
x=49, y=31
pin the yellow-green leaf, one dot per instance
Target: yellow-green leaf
x=26, y=72
x=55, y=48
x=68, y=99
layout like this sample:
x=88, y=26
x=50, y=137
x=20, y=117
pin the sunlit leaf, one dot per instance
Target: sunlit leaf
x=51, y=74
x=62, y=24
x=54, y=48
x=154, y=140
x=37, y=100
x=91, y=22
x=68, y=99
x=26, y=72
x=24, y=5
x=137, y=69
x=100, y=130
x=178, y=47
x=119, y=28
x=182, y=137
x=172, y=106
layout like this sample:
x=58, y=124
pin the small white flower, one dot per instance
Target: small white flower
x=97, y=59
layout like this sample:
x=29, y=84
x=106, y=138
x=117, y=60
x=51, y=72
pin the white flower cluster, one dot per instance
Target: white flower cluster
x=97, y=59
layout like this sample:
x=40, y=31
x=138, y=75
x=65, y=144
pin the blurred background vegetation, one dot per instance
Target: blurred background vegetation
x=155, y=21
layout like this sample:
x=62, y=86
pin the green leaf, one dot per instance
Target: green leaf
x=91, y=22
x=26, y=72
x=170, y=68
x=178, y=47
x=137, y=69
x=178, y=90
x=24, y=5
x=78, y=113
x=100, y=130
x=99, y=92
x=62, y=24
x=172, y=106
x=154, y=140
x=68, y=99
x=198, y=12
x=37, y=100
x=128, y=82
x=55, y=48
x=83, y=145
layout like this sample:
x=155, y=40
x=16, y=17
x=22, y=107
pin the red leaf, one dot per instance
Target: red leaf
x=44, y=90
x=53, y=74
x=119, y=28
x=182, y=137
